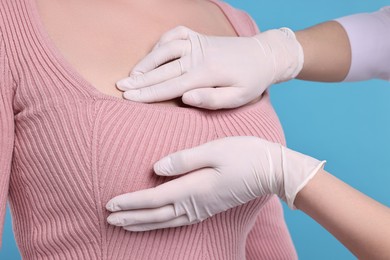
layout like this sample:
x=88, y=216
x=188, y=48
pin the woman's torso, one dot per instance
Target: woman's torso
x=77, y=144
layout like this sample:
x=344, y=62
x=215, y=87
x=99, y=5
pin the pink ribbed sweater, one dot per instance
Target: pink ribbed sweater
x=66, y=149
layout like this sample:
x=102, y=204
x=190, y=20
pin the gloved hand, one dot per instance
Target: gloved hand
x=213, y=72
x=222, y=174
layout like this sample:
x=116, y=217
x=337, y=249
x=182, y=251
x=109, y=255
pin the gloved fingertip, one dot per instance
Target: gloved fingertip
x=163, y=167
x=192, y=99
x=133, y=95
x=113, y=220
x=110, y=206
x=124, y=84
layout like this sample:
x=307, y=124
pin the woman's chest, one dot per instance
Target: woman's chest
x=103, y=40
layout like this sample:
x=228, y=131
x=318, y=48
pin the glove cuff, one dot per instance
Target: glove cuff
x=297, y=64
x=298, y=170
x=291, y=198
x=284, y=51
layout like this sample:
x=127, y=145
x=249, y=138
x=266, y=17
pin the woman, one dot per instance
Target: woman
x=69, y=142
x=351, y=48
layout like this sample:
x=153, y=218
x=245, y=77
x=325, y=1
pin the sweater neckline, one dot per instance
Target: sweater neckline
x=85, y=86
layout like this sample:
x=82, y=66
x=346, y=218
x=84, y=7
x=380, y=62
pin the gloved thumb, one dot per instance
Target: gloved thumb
x=216, y=98
x=186, y=161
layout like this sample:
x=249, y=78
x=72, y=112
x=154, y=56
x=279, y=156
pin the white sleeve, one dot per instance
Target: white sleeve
x=369, y=36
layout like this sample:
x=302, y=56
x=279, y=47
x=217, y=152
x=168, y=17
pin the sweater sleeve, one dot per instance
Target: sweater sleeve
x=369, y=36
x=6, y=131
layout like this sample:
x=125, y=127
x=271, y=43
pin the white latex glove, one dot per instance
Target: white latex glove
x=213, y=72
x=223, y=174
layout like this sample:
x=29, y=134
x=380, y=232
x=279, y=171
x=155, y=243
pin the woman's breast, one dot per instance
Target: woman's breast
x=129, y=138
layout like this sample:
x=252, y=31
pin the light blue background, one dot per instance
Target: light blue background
x=347, y=124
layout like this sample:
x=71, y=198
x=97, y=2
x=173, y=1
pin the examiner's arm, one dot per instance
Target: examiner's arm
x=228, y=72
x=327, y=52
x=357, y=221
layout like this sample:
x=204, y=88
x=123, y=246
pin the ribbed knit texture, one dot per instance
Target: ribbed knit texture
x=66, y=149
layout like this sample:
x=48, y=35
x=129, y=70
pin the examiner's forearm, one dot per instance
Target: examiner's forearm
x=327, y=52
x=357, y=221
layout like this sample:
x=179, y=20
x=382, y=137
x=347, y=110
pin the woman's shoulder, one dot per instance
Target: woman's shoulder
x=241, y=20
